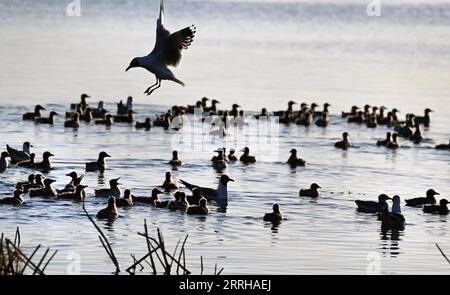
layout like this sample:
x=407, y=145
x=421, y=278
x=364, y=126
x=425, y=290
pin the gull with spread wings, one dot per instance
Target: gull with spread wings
x=167, y=52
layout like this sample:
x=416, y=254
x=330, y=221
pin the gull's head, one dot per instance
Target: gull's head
x=133, y=64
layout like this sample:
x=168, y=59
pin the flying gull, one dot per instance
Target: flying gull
x=167, y=52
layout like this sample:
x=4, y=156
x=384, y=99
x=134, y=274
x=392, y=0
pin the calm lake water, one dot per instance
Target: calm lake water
x=258, y=54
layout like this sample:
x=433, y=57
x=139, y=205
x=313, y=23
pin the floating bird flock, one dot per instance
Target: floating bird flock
x=38, y=185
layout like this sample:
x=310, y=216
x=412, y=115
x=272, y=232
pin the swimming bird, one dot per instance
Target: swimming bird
x=175, y=160
x=148, y=200
x=23, y=185
x=74, y=122
x=263, y=114
x=99, y=165
x=45, y=166
x=429, y=199
x=404, y=129
x=50, y=120
x=219, y=162
x=381, y=116
x=200, y=209
x=3, y=161
x=15, y=200
x=17, y=155
x=99, y=112
x=231, y=156
x=312, y=192
x=196, y=196
x=213, y=107
x=82, y=102
x=108, y=121
x=75, y=180
x=425, y=120
x=147, y=124
x=126, y=201
x=305, y=119
x=393, y=144
x=275, y=216
x=168, y=184
x=76, y=195
x=87, y=116
x=372, y=206
x=190, y=109
x=167, y=52
x=437, y=209
x=443, y=146
x=38, y=183
x=353, y=112
x=183, y=204
x=417, y=136
x=287, y=113
x=164, y=121
x=33, y=115
x=324, y=120
x=123, y=109
x=358, y=118
x=344, y=143
x=372, y=122
x=294, y=161
x=174, y=204
x=388, y=120
x=110, y=212
x=385, y=141
x=46, y=191
x=393, y=219
x=128, y=118
x=321, y=113
x=220, y=194
x=28, y=163
x=113, y=189
x=155, y=201
x=246, y=158
x=79, y=110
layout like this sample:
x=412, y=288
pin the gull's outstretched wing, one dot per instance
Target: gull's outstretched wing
x=161, y=32
x=171, y=51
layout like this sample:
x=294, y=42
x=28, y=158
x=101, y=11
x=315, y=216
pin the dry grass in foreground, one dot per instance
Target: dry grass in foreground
x=157, y=257
x=13, y=261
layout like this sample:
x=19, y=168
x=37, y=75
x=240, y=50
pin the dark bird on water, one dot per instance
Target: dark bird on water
x=19, y=155
x=393, y=219
x=429, y=199
x=200, y=209
x=344, y=143
x=372, y=206
x=110, y=212
x=441, y=209
x=275, y=216
x=99, y=165
x=312, y=192
x=33, y=115
x=293, y=160
x=15, y=200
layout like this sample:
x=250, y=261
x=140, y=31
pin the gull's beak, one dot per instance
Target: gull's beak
x=232, y=180
x=129, y=67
